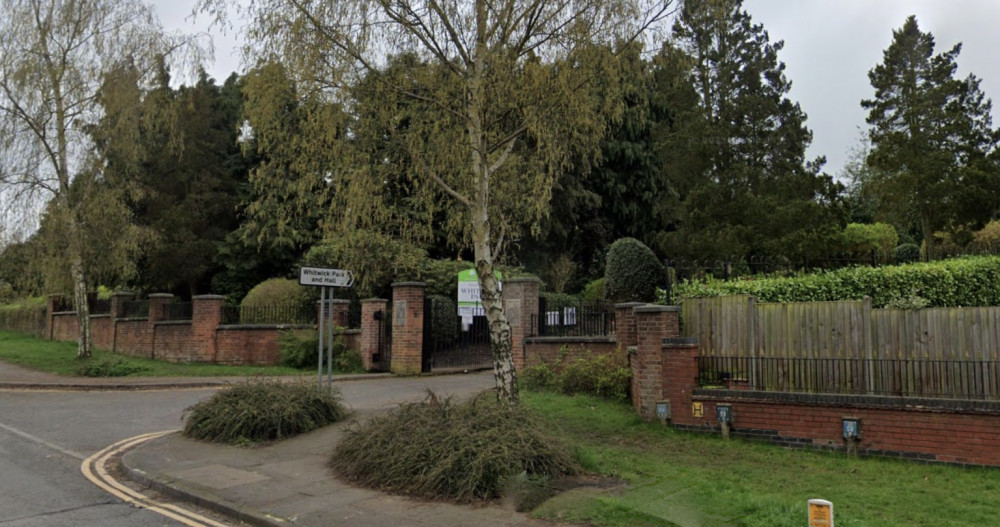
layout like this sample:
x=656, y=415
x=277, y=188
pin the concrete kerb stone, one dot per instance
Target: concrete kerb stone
x=196, y=495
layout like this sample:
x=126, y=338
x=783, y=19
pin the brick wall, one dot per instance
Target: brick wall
x=929, y=430
x=549, y=350
x=201, y=339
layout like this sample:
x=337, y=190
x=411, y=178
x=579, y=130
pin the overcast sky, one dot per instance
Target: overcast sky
x=830, y=45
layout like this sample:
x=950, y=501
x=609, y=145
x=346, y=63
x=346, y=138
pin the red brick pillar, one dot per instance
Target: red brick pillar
x=339, y=308
x=520, y=303
x=653, y=324
x=407, y=327
x=157, y=312
x=680, y=376
x=50, y=310
x=625, y=334
x=118, y=299
x=206, y=317
x=372, y=329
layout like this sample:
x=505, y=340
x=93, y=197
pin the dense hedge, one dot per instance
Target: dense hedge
x=632, y=272
x=970, y=281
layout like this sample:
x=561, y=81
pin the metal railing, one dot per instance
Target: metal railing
x=178, y=311
x=948, y=379
x=581, y=319
x=276, y=314
x=133, y=309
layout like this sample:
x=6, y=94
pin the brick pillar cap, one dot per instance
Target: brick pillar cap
x=409, y=284
x=367, y=300
x=161, y=295
x=527, y=279
x=653, y=308
x=680, y=341
x=123, y=293
x=336, y=301
x=207, y=297
x=627, y=305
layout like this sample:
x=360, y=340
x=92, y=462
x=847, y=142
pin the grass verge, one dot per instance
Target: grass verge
x=60, y=358
x=678, y=478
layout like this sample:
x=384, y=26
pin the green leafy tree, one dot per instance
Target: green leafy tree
x=746, y=185
x=513, y=99
x=55, y=56
x=931, y=136
x=191, y=177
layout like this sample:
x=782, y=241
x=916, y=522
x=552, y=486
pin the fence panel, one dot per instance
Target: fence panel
x=736, y=326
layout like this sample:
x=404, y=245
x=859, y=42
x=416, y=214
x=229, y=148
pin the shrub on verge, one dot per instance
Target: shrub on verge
x=263, y=410
x=438, y=449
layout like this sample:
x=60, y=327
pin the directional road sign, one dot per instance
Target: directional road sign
x=326, y=277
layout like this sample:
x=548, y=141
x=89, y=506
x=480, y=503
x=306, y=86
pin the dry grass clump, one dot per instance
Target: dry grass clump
x=442, y=450
x=263, y=410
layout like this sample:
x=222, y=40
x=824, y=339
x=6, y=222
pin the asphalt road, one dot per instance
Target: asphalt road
x=45, y=435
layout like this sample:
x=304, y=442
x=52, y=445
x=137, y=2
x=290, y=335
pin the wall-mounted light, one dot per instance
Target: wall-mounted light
x=852, y=428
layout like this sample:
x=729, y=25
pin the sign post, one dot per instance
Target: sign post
x=325, y=279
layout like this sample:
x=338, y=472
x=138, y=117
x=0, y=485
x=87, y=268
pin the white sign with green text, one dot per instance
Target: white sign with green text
x=469, y=300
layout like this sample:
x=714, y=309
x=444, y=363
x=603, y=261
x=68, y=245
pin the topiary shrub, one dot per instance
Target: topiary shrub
x=907, y=252
x=263, y=410
x=438, y=449
x=632, y=272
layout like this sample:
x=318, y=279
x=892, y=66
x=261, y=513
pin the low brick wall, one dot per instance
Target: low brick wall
x=949, y=431
x=201, y=339
x=549, y=350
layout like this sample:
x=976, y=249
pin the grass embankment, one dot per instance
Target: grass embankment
x=687, y=479
x=60, y=358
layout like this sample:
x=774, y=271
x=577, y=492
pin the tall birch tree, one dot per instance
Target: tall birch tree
x=510, y=94
x=55, y=56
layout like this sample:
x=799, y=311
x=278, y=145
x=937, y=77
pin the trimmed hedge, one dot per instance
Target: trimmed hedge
x=632, y=272
x=969, y=281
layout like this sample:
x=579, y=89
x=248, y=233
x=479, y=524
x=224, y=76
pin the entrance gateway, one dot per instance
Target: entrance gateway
x=457, y=338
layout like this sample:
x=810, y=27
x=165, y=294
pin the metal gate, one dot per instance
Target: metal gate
x=450, y=342
x=382, y=359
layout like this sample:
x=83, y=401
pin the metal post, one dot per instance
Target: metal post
x=329, y=342
x=319, y=360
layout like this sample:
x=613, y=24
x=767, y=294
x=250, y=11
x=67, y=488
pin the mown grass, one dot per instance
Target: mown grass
x=60, y=358
x=677, y=478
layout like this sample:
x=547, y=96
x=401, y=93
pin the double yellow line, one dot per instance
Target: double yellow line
x=94, y=469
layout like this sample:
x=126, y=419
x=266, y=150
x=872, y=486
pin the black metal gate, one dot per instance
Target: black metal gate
x=451, y=342
x=382, y=359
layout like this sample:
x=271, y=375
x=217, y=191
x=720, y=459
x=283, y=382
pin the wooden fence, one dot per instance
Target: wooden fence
x=738, y=326
x=848, y=347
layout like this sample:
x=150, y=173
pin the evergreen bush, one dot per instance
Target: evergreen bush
x=438, y=449
x=263, y=410
x=601, y=375
x=969, y=281
x=632, y=272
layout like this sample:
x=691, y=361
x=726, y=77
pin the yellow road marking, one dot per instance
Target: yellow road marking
x=104, y=480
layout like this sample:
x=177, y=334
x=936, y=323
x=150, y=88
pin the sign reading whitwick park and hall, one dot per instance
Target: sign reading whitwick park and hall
x=469, y=300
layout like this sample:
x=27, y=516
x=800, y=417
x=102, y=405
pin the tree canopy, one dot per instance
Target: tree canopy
x=510, y=95
x=932, y=139
x=55, y=58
